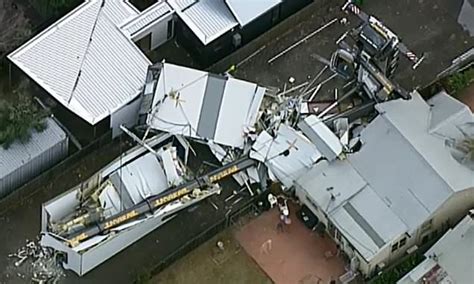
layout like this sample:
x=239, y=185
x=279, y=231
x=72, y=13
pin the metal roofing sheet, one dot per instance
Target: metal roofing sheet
x=247, y=11
x=430, y=146
x=325, y=140
x=84, y=60
x=208, y=19
x=204, y=106
x=183, y=4
x=240, y=105
x=146, y=18
x=143, y=177
x=211, y=106
x=180, y=115
x=20, y=153
x=399, y=175
x=301, y=157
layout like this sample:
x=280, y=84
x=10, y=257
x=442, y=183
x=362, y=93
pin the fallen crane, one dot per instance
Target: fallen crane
x=123, y=202
x=153, y=203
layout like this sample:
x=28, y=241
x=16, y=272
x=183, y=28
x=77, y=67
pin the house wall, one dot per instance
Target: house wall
x=127, y=115
x=453, y=210
x=206, y=55
x=448, y=215
x=158, y=31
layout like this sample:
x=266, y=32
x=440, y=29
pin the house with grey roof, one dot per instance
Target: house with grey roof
x=403, y=186
x=449, y=260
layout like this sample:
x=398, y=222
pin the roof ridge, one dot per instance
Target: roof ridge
x=86, y=51
x=386, y=118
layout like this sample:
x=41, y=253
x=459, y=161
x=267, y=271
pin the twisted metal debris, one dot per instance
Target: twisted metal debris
x=43, y=264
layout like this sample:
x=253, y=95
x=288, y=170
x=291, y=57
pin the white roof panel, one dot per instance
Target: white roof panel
x=384, y=153
x=302, y=154
x=179, y=116
x=85, y=62
x=401, y=114
x=238, y=104
x=146, y=18
x=245, y=11
x=354, y=233
x=143, y=177
x=325, y=140
x=208, y=19
x=208, y=106
x=338, y=180
x=385, y=223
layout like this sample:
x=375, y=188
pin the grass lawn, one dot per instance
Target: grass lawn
x=207, y=264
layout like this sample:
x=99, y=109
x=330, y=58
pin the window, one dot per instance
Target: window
x=394, y=247
x=402, y=242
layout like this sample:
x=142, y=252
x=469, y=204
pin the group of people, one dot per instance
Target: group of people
x=283, y=208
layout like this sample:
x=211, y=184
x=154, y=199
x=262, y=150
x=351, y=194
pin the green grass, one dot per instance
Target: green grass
x=207, y=264
x=459, y=81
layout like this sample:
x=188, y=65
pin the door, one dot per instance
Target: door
x=145, y=43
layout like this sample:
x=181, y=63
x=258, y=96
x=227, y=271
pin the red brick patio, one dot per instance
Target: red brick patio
x=296, y=255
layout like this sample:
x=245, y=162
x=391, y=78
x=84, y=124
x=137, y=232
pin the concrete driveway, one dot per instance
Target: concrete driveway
x=436, y=28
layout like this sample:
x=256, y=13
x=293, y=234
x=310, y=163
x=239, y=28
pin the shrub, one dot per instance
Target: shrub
x=17, y=120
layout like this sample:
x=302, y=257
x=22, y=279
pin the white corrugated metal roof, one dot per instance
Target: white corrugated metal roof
x=146, y=18
x=85, y=61
x=248, y=10
x=325, y=140
x=208, y=19
x=209, y=106
x=21, y=153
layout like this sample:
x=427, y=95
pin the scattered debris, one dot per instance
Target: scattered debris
x=302, y=40
x=43, y=264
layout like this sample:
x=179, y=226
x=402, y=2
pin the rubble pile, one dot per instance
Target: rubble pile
x=42, y=263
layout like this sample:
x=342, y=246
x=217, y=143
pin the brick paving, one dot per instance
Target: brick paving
x=296, y=255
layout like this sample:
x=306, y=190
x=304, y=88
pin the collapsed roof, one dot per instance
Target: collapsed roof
x=202, y=105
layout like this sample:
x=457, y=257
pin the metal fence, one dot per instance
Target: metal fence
x=24, y=192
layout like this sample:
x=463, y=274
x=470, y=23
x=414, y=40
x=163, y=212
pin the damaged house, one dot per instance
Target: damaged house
x=406, y=183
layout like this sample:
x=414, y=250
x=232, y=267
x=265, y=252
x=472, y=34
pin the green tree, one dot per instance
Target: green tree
x=18, y=120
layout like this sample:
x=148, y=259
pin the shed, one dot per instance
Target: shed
x=23, y=161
